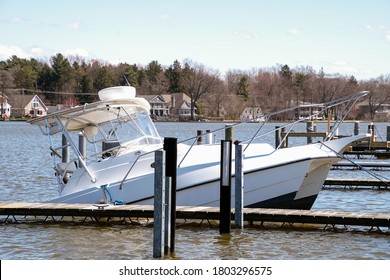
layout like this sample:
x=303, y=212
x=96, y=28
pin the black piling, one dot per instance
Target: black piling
x=225, y=186
x=170, y=146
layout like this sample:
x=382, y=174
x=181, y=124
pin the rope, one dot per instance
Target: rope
x=105, y=190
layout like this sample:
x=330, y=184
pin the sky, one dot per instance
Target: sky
x=348, y=37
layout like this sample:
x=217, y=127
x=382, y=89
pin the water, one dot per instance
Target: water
x=26, y=174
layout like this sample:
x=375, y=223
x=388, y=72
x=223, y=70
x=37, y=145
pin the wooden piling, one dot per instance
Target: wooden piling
x=65, y=149
x=199, y=139
x=159, y=205
x=310, y=127
x=229, y=132
x=239, y=187
x=356, y=128
x=278, y=136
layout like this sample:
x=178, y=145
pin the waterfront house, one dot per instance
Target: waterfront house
x=29, y=106
x=5, y=107
x=169, y=105
x=252, y=114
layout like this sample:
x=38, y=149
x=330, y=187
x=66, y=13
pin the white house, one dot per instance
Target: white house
x=30, y=105
x=252, y=114
x=5, y=107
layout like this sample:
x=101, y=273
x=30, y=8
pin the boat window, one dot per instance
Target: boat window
x=129, y=127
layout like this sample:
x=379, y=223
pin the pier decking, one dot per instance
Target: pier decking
x=357, y=183
x=18, y=211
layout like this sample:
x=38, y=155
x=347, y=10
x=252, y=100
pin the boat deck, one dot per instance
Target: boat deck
x=19, y=212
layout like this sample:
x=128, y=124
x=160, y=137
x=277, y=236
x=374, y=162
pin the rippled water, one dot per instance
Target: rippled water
x=26, y=174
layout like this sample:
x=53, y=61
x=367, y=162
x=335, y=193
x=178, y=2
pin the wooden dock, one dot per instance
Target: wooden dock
x=360, y=165
x=19, y=212
x=358, y=183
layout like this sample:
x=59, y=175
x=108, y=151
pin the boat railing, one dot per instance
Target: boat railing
x=349, y=102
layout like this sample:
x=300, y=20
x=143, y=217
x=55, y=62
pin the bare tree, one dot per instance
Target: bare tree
x=379, y=94
x=198, y=81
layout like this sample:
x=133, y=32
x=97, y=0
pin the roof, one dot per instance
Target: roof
x=25, y=99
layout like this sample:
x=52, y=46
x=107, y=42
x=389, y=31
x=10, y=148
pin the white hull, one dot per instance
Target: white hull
x=286, y=178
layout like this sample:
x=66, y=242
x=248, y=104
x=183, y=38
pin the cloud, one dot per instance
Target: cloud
x=294, y=31
x=387, y=36
x=164, y=17
x=74, y=25
x=7, y=51
x=382, y=29
x=37, y=52
x=343, y=67
x=244, y=34
x=369, y=27
x=76, y=52
x=15, y=19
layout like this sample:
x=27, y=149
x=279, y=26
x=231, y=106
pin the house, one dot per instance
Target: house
x=29, y=106
x=376, y=111
x=5, y=107
x=252, y=114
x=164, y=105
x=306, y=110
x=180, y=104
x=159, y=105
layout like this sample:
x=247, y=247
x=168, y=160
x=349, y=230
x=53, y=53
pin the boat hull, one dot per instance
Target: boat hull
x=288, y=178
x=261, y=189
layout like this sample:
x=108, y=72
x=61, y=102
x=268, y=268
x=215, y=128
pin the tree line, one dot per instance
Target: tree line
x=74, y=80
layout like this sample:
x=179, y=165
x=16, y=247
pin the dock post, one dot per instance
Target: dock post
x=168, y=213
x=159, y=205
x=371, y=129
x=310, y=127
x=225, y=187
x=239, y=187
x=199, y=137
x=284, y=139
x=65, y=149
x=278, y=136
x=356, y=129
x=388, y=133
x=229, y=132
x=170, y=146
x=208, y=137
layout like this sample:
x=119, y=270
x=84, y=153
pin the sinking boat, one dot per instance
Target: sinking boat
x=106, y=153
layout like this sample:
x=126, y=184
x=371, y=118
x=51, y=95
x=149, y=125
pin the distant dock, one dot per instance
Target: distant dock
x=20, y=212
x=357, y=183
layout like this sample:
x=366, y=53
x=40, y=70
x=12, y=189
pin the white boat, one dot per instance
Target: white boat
x=118, y=165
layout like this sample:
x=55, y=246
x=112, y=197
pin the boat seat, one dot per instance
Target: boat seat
x=66, y=167
x=109, y=148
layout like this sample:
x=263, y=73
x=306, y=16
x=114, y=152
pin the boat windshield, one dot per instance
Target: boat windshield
x=131, y=128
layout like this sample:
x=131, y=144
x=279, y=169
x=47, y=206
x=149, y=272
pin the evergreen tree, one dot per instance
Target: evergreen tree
x=243, y=88
x=174, y=75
